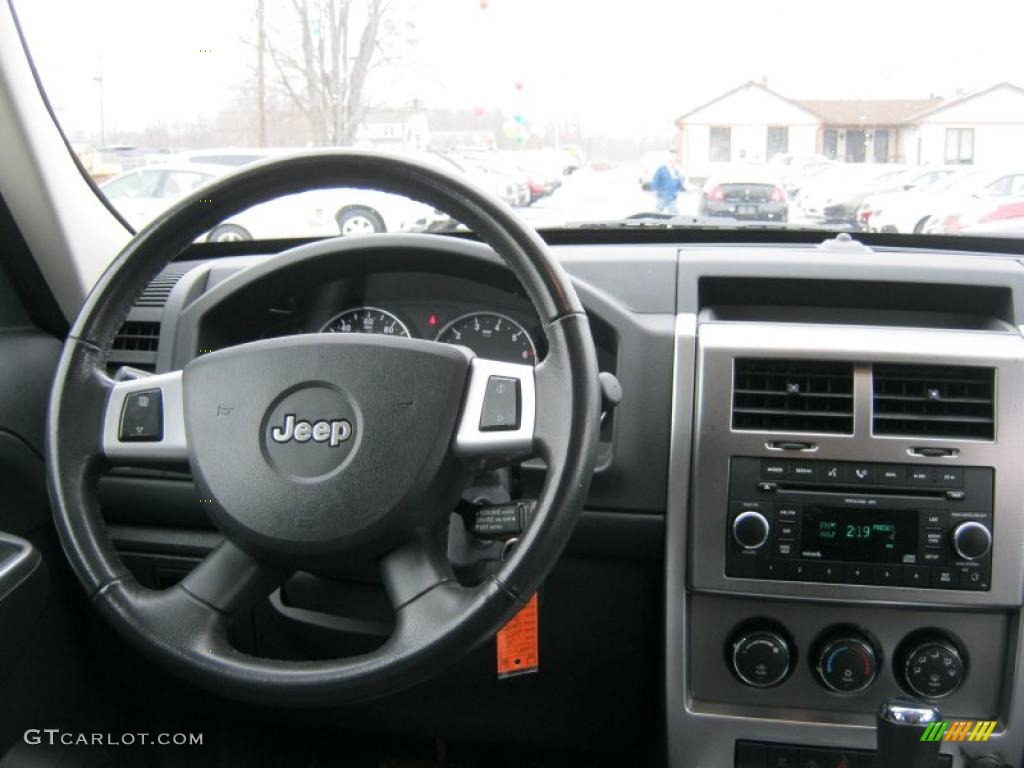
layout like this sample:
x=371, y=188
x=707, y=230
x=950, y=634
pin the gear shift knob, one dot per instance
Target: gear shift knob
x=901, y=723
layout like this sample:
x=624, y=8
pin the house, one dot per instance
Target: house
x=753, y=123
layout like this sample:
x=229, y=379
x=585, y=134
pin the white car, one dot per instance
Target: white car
x=912, y=179
x=836, y=186
x=911, y=210
x=140, y=195
x=354, y=211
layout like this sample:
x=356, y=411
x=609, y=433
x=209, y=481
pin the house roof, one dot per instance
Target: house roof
x=737, y=89
x=869, y=111
x=961, y=99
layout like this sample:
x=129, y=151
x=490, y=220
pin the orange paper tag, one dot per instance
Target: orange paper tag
x=518, y=650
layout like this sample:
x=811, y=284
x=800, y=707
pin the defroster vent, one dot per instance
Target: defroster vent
x=792, y=396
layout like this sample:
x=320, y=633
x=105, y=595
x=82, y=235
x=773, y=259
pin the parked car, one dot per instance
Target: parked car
x=909, y=180
x=988, y=210
x=141, y=194
x=835, y=194
x=354, y=211
x=752, y=193
x=910, y=211
x=796, y=170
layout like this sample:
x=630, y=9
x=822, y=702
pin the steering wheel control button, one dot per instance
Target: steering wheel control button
x=501, y=404
x=761, y=658
x=971, y=540
x=846, y=663
x=142, y=417
x=750, y=529
x=933, y=669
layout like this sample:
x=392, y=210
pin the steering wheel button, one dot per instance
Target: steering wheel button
x=500, y=409
x=142, y=418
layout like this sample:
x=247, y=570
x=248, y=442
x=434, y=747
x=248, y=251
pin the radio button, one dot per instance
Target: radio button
x=834, y=573
x=916, y=576
x=932, y=555
x=890, y=474
x=767, y=487
x=803, y=470
x=771, y=569
x=804, y=571
x=887, y=575
x=920, y=476
x=774, y=469
x=861, y=473
x=785, y=548
x=787, y=530
x=944, y=577
x=956, y=495
x=787, y=514
x=951, y=477
x=933, y=537
x=937, y=519
x=857, y=573
x=833, y=472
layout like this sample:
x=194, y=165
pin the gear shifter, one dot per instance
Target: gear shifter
x=901, y=723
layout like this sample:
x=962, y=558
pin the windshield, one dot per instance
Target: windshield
x=738, y=114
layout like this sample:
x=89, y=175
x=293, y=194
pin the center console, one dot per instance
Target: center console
x=845, y=528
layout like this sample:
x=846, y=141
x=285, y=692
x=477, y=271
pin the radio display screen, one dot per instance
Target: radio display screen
x=858, y=535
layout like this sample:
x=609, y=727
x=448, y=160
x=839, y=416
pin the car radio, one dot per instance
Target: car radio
x=848, y=522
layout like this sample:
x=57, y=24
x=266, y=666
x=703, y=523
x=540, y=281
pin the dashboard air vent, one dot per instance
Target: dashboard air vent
x=135, y=345
x=792, y=396
x=159, y=288
x=933, y=401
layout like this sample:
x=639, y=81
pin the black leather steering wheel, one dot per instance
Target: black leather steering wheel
x=392, y=426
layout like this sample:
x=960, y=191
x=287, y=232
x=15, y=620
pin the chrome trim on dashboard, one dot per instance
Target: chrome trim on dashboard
x=720, y=343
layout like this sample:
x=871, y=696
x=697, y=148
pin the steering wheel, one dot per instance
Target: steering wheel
x=315, y=448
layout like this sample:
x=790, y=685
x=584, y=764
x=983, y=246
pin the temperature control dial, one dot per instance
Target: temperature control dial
x=761, y=658
x=933, y=668
x=847, y=663
x=750, y=529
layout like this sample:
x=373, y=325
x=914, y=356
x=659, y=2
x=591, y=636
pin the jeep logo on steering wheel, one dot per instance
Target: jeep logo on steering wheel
x=333, y=432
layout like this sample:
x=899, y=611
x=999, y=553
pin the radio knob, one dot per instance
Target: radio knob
x=846, y=663
x=971, y=540
x=750, y=529
x=761, y=658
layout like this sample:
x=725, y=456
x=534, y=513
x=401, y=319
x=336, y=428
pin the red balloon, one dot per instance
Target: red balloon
x=520, y=85
x=478, y=111
x=483, y=5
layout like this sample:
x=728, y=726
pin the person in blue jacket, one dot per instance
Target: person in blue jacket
x=667, y=184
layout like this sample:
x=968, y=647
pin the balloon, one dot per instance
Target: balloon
x=483, y=5
x=479, y=111
x=520, y=85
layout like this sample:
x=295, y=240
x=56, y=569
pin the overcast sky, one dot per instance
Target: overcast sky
x=627, y=68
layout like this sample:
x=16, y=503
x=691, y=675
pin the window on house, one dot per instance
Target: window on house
x=830, y=145
x=778, y=141
x=721, y=144
x=960, y=145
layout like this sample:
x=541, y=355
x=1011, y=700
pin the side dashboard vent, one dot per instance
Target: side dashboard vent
x=159, y=288
x=135, y=345
x=792, y=396
x=933, y=401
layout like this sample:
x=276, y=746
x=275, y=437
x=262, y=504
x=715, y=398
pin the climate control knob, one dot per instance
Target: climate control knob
x=761, y=658
x=750, y=529
x=932, y=667
x=846, y=663
x=971, y=540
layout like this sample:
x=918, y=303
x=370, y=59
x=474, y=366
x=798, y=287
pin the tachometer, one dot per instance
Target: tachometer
x=366, y=320
x=491, y=336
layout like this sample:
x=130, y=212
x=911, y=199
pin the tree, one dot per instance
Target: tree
x=324, y=51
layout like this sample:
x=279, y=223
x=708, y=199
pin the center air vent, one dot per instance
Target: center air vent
x=792, y=396
x=159, y=288
x=933, y=401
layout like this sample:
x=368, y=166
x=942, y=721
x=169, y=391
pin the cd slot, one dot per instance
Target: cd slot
x=835, y=489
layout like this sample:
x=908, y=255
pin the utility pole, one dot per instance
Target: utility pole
x=261, y=97
x=103, y=125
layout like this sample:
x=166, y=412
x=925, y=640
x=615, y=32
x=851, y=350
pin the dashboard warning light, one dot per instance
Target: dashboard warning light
x=432, y=320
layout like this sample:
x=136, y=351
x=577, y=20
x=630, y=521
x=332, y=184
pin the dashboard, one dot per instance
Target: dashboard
x=824, y=440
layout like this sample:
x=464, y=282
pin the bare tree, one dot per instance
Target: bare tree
x=324, y=51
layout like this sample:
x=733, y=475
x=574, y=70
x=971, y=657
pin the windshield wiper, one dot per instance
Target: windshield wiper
x=680, y=221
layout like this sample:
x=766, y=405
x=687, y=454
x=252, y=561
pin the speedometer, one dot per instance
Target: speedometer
x=491, y=336
x=366, y=320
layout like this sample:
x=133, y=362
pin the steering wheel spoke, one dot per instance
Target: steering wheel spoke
x=231, y=580
x=499, y=413
x=144, y=421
